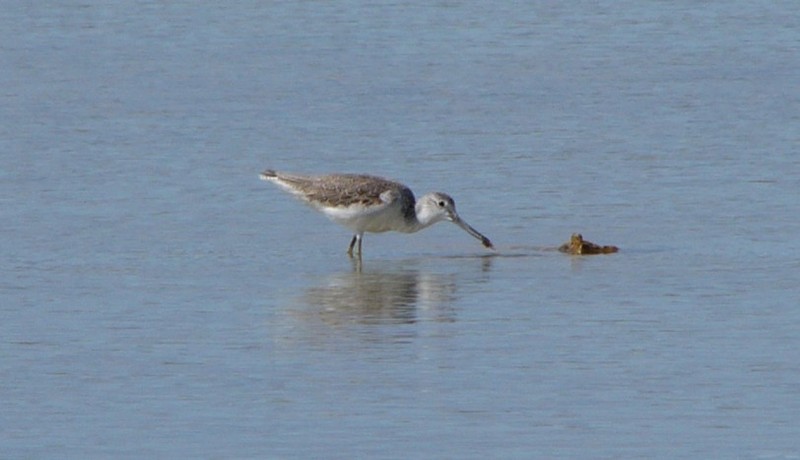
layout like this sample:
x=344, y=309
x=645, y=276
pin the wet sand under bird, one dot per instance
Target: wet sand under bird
x=366, y=203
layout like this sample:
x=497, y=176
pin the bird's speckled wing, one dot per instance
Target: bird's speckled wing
x=343, y=190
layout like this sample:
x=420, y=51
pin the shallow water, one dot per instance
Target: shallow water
x=158, y=300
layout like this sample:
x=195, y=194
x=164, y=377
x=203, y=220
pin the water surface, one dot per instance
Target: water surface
x=158, y=300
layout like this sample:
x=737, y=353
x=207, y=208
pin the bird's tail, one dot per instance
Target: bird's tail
x=269, y=174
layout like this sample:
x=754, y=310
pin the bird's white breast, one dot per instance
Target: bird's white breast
x=374, y=218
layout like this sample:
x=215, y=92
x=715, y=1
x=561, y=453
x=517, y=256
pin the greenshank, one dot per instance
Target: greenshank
x=366, y=203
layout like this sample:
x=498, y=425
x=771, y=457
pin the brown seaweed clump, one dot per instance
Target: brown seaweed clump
x=577, y=245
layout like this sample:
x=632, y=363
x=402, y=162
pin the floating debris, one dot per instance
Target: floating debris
x=577, y=245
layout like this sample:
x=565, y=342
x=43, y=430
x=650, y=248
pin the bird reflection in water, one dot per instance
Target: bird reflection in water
x=395, y=297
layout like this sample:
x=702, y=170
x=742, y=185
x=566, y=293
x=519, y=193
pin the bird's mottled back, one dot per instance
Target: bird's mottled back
x=342, y=190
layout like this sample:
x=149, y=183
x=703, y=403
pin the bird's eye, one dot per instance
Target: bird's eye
x=441, y=204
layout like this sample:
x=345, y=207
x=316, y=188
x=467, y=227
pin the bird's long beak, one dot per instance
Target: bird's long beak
x=468, y=228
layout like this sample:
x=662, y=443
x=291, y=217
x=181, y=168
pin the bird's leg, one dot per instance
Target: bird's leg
x=356, y=239
x=352, y=243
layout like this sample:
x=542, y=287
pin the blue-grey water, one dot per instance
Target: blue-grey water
x=158, y=301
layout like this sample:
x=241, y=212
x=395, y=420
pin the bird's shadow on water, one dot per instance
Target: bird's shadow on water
x=374, y=299
x=378, y=300
x=382, y=295
x=404, y=291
